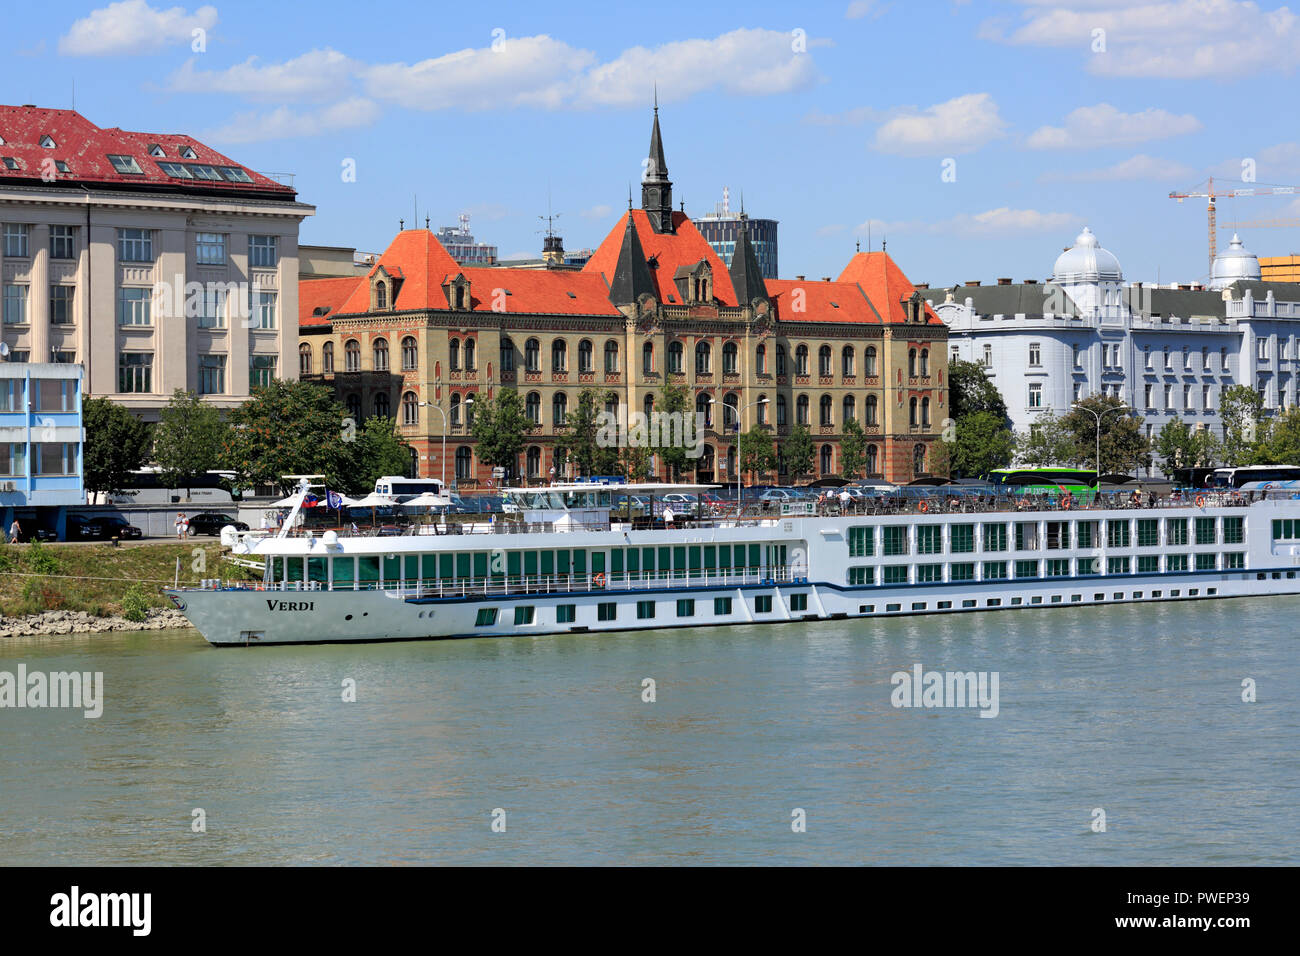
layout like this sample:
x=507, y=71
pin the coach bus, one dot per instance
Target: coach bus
x=1236, y=477
x=1080, y=482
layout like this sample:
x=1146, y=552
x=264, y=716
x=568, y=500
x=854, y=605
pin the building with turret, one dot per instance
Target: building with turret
x=422, y=338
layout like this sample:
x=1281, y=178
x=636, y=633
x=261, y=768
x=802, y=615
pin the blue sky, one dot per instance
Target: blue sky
x=1045, y=116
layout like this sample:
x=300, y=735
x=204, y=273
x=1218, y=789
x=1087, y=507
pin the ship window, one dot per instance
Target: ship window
x=344, y=572
x=566, y=613
x=763, y=604
x=645, y=610
x=798, y=602
x=368, y=570
x=895, y=607
x=487, y=616
x=722, y=605
x=524, y=614
x=686, y=607
x=606, y=611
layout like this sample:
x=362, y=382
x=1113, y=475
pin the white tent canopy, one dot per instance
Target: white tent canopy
x=427, y=500
x=373, y=500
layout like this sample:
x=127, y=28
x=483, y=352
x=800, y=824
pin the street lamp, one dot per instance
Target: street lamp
x=739, y=418
x=1099, y=416
x=438, y=409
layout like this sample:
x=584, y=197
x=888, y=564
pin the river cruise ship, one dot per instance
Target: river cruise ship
x=567, y=558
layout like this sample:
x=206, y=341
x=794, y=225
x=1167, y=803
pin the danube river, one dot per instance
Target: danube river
x=1136, y=711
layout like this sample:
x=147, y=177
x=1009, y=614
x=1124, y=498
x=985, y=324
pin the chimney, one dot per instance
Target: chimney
x=923, y=285
x=826, y=278
x=1004, y=282
x=1031, y=282
x=1185, y=287
x=800, y=278
x=971, y=283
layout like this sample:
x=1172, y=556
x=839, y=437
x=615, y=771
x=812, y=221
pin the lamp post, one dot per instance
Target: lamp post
x=739, y=419
x=438, y=409
x=1099, y=416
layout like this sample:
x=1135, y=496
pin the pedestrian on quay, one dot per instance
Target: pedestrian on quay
x=181, y=525
x=15, y=532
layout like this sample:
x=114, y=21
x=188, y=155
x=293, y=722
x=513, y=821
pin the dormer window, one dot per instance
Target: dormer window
x=458, y=293
x=157, y=151
x=381, y=295
x=47, y=141
x=126, y=165
x=187, y=152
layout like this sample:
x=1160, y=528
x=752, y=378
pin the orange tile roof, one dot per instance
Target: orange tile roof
x=561, y=292
x=804, y=300
x=669, y=252
x=885, y=284
x=327, y=294
x=420, y=260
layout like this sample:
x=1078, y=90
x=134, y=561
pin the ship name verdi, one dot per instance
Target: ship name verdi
x=290, y=605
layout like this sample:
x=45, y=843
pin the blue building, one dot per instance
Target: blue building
x=41, y=442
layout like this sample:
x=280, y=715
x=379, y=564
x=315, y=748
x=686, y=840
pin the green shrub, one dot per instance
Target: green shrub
x=135, y=603
x=7, y=562
x=40, y=595
x=41, y=560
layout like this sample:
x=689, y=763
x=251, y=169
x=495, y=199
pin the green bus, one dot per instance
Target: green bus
x=1080, y=482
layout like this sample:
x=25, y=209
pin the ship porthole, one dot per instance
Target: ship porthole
x=348, y=618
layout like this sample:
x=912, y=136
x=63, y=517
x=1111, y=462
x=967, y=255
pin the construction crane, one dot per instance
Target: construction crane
x=1213, y=195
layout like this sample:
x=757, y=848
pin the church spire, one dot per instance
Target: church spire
x=656, y=187
x=631, y=277
x=746, y=275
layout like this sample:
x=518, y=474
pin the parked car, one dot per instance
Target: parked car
x=81, y=527
x=211, y=523
x=777, y=495
x=116, y=526
x=32, y=532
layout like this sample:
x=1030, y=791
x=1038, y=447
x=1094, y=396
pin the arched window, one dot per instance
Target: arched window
x=850, y=408
x=730, y=359
x=846, y=361
x=825, y=416
x=410, y=354
x=801, y=410
x=648, y=359
x=761, y=409
x=354, y=408
x=918, y=461
x=507, y=355
x=584, y=356
x=872, y=411
x=911, y=413
x=304, y=359
x=559, y=356
x=911, y=363
x=534, y=460
x=707, y=460
x=455, y=409
x=703, y=359
x=649, y=407
x=382, y=409
x=533, y=407
x=532, y=356
x=730, y=410
x=381, y=355
x=559, y=409
x=381, y=296
x=453, y=355
x=925, y=361
x=925, y=412
x=801, y=360
x=464, y=463
x=780, y=360
x=327, y=357
x=703, y=406
x=352, y=356
x=760, y=360
x=869, y=362
x=611, y=357
x=826, y=460
x=781, y=417
x=873, y=460
x=410, y=409
x=824, y=361
x=413, y=466
x=469, y=355
x=675, y=358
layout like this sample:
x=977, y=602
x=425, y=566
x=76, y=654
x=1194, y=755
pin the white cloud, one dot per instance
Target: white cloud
x=1137, y=167
x=960, y=125
x=132, y=26
x=1003, y=221
x=1089, y=127
x=862, y=8
x=284, y=123
x=597, y=212
x=1178, y=39
x=318, y=74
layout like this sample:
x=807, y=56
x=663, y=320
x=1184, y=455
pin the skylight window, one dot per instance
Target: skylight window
x=47, y=141
x=2, y=140
x=176, y=170
x=126, y=165
x=235, y=174
x=205, y=172
x=156, y=151
x=187, y=152
x=9, y=161
x=61, y=165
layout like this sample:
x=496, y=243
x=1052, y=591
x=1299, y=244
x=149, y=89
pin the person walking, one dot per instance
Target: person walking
x=181, y=525
x=15, y=532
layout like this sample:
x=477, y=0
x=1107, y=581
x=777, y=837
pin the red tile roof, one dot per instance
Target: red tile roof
x=327, y=294
x=540, y=290
x=885, y=284
x=804, y=300
x=86, y=147
x=420, y=260
x=668, y=251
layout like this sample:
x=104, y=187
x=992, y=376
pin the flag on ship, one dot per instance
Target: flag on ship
x=333, y=499
x=309, y=500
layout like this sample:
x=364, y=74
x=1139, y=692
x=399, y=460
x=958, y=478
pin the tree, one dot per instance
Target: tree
x=672, y=443
x=757, y=455
x=799, y=452
x=853, y=449
x=186, y=439
x=585, y=440
x=1123, y=446
x=1279, y=443
x=1047, y=442
x=1242, y=411
x=116, y=444
x=378, y=450
x=974, y=445
x=1181, y=446
x=289, y=428
x=501, y=429
x=970, y=391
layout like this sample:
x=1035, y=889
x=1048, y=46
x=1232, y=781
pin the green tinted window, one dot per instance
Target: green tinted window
x=929, y=539
x=1205, y=531
x=995, y=537
x=896, y=574
x=895, y=539
x=1148, y=530
x=963, y=538
x=1175, y=531
x=962, y=571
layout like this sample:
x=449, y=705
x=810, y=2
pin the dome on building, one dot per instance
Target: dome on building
x=1086, y=261
x=1235, y=263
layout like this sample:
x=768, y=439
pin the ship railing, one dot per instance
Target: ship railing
x=597, y=582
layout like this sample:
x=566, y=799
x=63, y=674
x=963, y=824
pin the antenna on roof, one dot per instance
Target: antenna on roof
x=629, y=197
x=884, y=244
x=858, y=245
x=426, y=222
x=401, y=225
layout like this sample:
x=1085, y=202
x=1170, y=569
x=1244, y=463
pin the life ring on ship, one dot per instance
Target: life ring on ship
x=1067, y=502
x=599, y=580
x=1200, y=501
x=923, y=506
x=259, y=587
